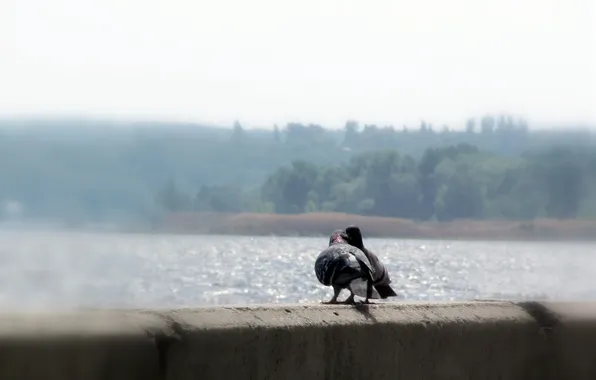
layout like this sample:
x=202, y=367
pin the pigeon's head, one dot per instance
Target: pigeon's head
x=355, y=236
x=338, y=237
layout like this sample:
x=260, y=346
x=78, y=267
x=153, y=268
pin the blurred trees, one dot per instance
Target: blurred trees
x=489, y=167
x=448, y=183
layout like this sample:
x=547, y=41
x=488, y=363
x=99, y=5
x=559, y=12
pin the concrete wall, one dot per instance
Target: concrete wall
x=480, y=340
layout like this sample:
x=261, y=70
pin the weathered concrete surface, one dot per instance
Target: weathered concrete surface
x=481, y=340
x=86, y=346
x=571, y=331
x=390, y=341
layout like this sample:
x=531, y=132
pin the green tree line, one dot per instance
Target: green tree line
x=446, y=183
x=102, y=170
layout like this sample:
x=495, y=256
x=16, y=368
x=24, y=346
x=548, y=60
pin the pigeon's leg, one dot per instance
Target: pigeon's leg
x=350, y=299
x=369, y=287
x=333, y=300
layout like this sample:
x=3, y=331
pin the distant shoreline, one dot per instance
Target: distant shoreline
x=322, y=224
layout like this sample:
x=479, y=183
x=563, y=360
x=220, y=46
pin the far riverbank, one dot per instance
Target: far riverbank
x=322, y=224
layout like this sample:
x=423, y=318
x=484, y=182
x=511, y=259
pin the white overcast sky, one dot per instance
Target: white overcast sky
x=323, y=61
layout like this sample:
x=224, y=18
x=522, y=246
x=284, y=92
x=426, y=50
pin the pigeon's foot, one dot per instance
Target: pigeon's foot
x=350, y=300
x=367, y=302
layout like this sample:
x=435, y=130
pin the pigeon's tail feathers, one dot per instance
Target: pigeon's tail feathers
x=359, y=288
x=380, y=271
x=385, y=291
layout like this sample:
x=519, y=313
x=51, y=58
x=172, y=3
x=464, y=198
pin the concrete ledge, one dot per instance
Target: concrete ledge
x=475, y=340
x=391, y=341
x=571, y=327
x=90, y=346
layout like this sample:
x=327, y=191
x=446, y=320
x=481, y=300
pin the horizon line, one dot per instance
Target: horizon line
x=179, y=121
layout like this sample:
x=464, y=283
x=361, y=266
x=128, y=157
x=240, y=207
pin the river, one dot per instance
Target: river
x=49, y=269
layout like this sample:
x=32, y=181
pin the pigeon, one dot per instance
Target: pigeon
x=381, y=279
x=344, y=266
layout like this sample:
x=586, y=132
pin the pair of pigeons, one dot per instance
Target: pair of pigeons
x=347, y=264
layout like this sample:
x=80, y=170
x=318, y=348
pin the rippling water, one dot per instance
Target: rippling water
x=49, y=269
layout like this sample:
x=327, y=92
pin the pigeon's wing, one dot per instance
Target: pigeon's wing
x=345, y=267
x=362, y=259
x=325, y=263
x=321, y=265
x=337, y=266
x=380, y=272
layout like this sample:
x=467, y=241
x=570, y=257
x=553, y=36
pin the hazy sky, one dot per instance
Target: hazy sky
x=324, y=61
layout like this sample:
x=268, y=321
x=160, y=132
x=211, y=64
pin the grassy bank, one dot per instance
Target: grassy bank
x=322, y=224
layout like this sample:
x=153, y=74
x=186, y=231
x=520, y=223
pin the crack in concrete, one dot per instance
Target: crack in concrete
x=163, y=341
x=547, y=321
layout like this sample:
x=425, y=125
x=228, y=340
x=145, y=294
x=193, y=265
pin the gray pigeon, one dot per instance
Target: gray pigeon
x=381, y=279
x=344, y=266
